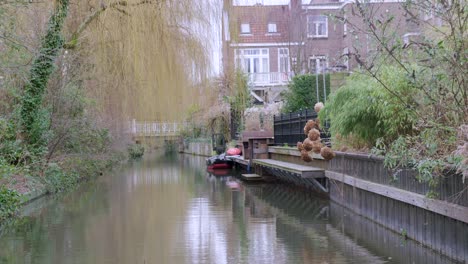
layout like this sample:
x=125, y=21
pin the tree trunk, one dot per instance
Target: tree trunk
x=33, y=118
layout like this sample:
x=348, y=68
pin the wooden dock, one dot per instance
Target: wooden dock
x=251, y=177
x=286, y=171
x=240, y=160
x=305, y=172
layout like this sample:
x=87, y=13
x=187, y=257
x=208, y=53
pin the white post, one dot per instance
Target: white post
x=317, y=64
x=134, y=128
x=324, y=85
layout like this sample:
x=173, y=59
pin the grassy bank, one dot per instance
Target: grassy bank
x=24, y=185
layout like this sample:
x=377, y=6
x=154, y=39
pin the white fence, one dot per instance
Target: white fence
x=270, y=78
x=146, y=128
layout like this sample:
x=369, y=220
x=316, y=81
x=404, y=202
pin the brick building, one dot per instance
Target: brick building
x=271, y=43
x=257, y=40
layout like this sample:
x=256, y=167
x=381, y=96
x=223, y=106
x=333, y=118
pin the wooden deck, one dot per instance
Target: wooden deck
x=240, y=160
x=303, y=171
x=251, y=177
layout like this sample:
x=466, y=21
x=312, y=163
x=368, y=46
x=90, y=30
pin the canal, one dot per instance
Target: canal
x=168, y=209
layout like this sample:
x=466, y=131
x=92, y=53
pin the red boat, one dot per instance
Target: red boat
x=220, y=166
x=218, y=172
x=219, y=162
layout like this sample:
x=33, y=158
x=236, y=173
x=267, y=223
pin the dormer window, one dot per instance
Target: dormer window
x=245, y=28
x=272, y=28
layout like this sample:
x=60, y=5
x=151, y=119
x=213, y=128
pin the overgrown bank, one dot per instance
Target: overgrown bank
x=49, y=139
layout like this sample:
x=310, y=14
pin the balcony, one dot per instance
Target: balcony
x=269, y=78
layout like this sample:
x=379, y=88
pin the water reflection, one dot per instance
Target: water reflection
x=170, y=210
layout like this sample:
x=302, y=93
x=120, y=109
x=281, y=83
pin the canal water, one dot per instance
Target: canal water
x=168, y=209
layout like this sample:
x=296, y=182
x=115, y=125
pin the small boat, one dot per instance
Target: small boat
x=219, y=162
x=218, y=172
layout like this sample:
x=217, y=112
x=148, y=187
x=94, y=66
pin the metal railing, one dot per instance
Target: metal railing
x=289, y=128
x=270, y=78
x=148, y=128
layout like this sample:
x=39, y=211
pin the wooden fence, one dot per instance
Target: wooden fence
x=399, y=202
x=449, y=187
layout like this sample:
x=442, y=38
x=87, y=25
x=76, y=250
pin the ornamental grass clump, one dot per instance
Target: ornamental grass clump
x=317, y=146
x=313, y=141
x=300, y=147
x=318, y=106
x=327, y=153
x=309, y=125
x=307, y=144
x=314, y=134
x=305, y=156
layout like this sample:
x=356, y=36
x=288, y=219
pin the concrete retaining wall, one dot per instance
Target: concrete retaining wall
x=201, y=148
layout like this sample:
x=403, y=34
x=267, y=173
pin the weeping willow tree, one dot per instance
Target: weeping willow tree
x=147, y=56
x=136, y=59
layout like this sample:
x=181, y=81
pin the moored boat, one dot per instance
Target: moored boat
x=219, y=162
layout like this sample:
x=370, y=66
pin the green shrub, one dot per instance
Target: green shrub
x=9, y=202
x=364, y=110
x=302, y=92
x=136, y=151
x=58, y=180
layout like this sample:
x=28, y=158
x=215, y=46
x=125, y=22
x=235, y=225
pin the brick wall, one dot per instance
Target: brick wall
x=291, y=21
x=258, y=17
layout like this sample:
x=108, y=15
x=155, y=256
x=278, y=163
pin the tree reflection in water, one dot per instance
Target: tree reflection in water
x=168, y=209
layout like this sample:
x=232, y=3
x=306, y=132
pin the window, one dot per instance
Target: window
x=253, y=60
x=294, y=63
x=346, y=58
x=283, y=58
x=272, y=28
x=245, y=28
x=317, y=26
x=317, y=64
x=345, y=26
x=255, y=63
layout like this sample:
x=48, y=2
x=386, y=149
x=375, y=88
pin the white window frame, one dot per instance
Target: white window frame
x=245, y=29
x=345, y=26
x=315, y=58
x=241, y=54
x=316, y=25
x=272, y=28
x=346, y=57
x=227, y=33
x=280, y=56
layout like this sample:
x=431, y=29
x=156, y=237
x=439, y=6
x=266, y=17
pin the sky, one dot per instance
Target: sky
x=264, y=2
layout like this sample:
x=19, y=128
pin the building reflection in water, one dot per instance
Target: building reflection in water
x=168, y=209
